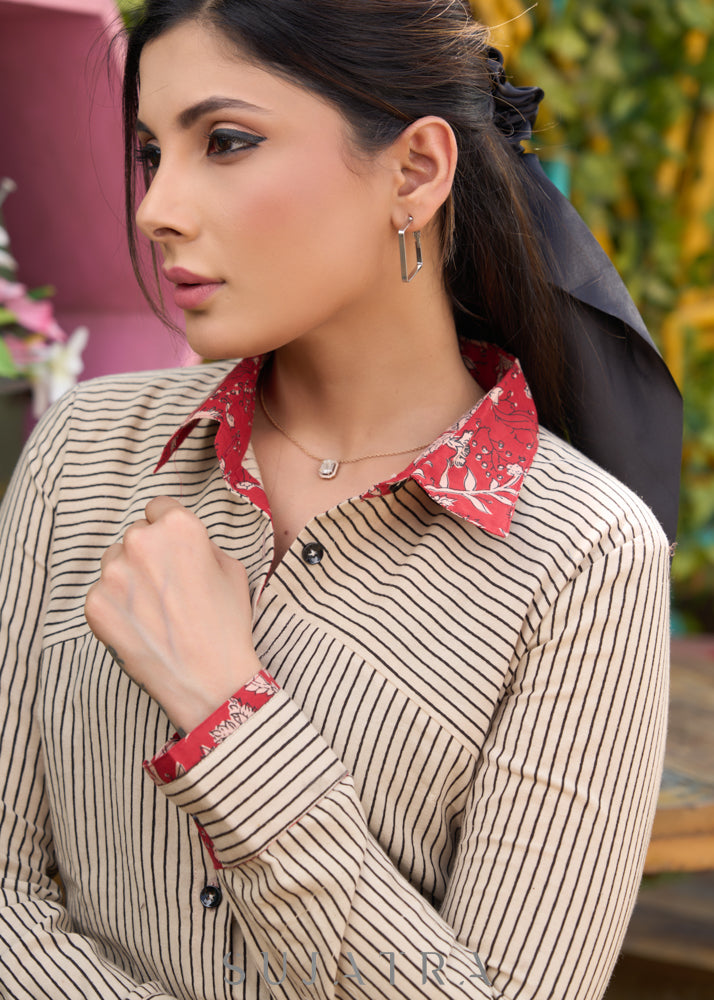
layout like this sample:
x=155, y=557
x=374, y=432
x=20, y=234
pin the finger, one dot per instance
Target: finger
x=112, y=553
x=135, y=528
x=103, y=616
x=159, y=507
x=115, y=656
x=177, y=522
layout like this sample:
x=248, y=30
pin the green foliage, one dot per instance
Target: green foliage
x=693, y=565
x=613, y=74
x=129, y=10
x=8, y=368
x=626, y=107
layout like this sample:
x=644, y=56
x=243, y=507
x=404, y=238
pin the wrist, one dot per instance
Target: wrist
x=189, y=709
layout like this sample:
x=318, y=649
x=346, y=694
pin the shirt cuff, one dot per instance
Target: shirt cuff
x=180, y=754
x=262, y=779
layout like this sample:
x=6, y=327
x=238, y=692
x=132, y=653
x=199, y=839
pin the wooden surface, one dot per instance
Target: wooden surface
x=673, y=921
x=683, y=832
x=638, y=978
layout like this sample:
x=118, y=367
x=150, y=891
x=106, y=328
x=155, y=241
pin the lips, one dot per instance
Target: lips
x=191, y=290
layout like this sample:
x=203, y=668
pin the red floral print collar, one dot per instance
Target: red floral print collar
x=475, y=469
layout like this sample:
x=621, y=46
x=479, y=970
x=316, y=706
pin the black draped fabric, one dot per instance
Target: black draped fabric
x=625, y=411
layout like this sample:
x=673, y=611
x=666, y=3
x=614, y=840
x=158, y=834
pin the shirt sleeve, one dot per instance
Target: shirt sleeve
x=41, y=956
x=553, y=841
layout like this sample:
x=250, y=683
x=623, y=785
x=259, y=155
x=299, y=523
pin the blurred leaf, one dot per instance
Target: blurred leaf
x=695, y=14
x=593, y=20
x=44, y=292
x=8, y=368
x=565, y=42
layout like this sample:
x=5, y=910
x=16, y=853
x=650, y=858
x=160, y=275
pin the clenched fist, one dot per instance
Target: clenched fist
x=174, y=611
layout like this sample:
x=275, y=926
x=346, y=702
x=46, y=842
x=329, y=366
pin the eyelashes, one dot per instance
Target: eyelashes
x=148, y=157
x=228, y=140
x=220, y=142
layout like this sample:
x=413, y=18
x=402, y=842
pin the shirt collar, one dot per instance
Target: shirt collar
x=475, y=469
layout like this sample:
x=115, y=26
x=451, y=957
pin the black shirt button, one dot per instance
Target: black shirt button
x=210, y=896
x=312, y=553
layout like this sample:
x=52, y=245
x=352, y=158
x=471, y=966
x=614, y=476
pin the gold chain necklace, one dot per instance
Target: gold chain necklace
x=328, y=467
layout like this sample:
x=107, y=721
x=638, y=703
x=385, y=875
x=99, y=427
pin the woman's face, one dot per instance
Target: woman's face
x=256, y=193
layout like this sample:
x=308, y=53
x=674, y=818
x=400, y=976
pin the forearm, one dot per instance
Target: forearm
x=311, y=888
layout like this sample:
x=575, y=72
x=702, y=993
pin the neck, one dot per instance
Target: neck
x=390, y=381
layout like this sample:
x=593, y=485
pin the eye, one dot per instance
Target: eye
x=223, y=141
x=148, y=157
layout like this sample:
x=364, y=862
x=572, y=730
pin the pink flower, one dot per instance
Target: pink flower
x=10, y=290
x=37, y=316
x=32, y=315
x=25, y=351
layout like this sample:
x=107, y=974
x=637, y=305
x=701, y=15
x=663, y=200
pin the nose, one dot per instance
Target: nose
x=166, y=213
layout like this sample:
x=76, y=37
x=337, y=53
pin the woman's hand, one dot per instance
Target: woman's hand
x=174, y=612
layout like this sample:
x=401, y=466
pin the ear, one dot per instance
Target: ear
x=424, y=159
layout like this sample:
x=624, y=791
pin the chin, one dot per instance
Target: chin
x=211, y=340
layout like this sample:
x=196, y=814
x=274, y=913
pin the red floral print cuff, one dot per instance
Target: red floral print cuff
x=181, y=753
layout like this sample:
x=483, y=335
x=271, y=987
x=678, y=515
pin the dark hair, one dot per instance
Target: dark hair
x=384, y=64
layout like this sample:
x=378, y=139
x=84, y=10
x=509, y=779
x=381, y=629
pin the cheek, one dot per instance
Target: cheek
x=294, y=206
x=300, y=237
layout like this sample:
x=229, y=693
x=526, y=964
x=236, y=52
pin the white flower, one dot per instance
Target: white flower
x=7, y=186
x=57, y=371
x=8, y=261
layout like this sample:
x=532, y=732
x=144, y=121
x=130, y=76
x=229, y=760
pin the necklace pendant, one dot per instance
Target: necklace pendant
x=328, y=468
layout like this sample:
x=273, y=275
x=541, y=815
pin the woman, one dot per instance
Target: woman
x=408, y=650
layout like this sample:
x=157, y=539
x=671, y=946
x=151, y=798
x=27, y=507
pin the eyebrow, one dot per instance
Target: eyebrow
x=189, y=116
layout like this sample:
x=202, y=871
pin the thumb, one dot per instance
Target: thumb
x=159, y=507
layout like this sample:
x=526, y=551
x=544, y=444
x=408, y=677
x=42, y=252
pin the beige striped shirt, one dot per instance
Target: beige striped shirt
x=449, y=797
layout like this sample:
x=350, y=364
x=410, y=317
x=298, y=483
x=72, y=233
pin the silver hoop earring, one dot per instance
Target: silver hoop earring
x=406, y=276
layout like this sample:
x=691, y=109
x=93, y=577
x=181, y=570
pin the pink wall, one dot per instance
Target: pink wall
x=60, y=125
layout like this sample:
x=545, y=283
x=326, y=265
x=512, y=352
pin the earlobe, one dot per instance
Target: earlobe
x=426, y=156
